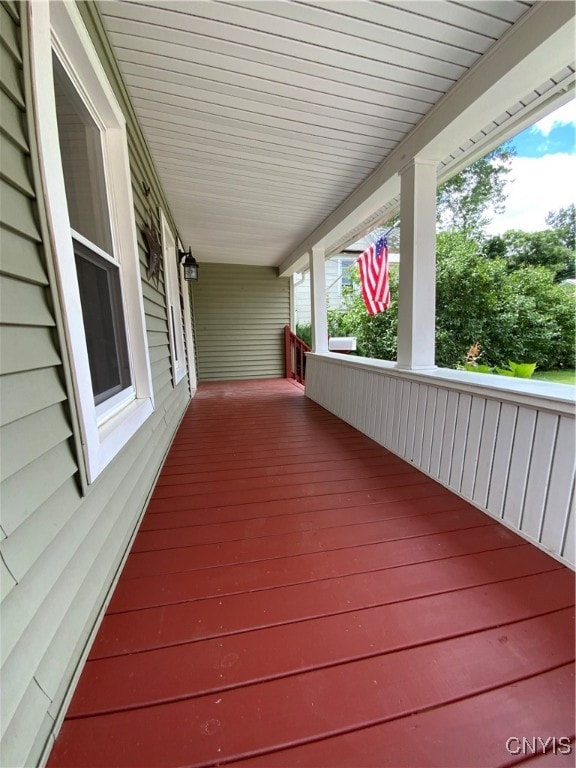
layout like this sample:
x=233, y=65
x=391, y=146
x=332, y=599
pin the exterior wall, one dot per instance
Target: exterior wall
x=511, y=454
x=62, y=541
x=240, y=313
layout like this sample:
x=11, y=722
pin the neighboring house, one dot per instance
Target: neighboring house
x=336, y=276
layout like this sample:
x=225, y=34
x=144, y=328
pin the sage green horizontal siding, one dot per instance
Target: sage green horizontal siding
x=24, y=303
x=33, y=704
x=13, y=165
x=13, y=9
x=24, y=393
x=24, y=440
x=17, y=211
x=26, y=349
x=8, y=33
x=29, y=542
x=20, y=257
x=12, y=124
x=9, y=67
x=239, y=316
x=7, y=581
x=60, y=548
x=41, y=479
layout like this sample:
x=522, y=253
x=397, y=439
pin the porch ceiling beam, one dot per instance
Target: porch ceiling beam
x=538, y=46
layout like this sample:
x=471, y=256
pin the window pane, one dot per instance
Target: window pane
x=81, y=150
x=346, y=267
x=99, y=283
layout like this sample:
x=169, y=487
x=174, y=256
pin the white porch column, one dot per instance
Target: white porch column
x=318, y=299
x=417, y=281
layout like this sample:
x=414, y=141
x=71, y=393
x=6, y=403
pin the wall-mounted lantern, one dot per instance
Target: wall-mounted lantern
x=189, y=263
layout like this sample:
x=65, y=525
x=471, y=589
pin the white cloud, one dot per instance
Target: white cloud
x=565, y=115
x=536, y=186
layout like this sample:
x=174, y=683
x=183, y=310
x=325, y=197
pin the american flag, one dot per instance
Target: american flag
x=373, y=265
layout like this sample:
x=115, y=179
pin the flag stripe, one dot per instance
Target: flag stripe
x=374, y=284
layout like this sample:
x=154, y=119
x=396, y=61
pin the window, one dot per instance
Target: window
x=173, y=304
x=86, y=176
x=346, y=266
x=96, y=269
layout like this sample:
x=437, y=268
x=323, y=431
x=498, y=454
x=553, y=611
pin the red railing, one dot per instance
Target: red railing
x=294, y=357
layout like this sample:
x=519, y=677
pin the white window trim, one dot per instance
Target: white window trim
x=59, y=27
x=172, y=293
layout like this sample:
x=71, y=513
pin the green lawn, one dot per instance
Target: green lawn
x=563, y=376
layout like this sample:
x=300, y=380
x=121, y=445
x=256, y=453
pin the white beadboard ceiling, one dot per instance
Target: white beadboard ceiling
x=263, y=117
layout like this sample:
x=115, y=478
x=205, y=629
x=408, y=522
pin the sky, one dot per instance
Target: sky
x=543, y=176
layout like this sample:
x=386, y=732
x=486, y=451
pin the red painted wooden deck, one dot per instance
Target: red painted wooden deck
x=298, y=596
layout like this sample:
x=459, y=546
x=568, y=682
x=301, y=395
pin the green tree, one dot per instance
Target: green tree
x=563, y=222
x=464, y=201
x=469, y=293
x=538, y=249
x=543, y=319
x=520, y=315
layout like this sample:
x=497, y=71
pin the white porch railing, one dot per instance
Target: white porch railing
x=505, y=445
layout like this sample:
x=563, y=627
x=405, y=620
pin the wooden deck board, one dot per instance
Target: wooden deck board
x=331, y=506
x=471, y=733
x=297, y=595
x=177, y=551
x=248, y=574
x=168, y=588
x=233, y=530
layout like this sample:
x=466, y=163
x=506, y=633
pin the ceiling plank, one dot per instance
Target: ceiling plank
x=273, y=123
x=284, y=55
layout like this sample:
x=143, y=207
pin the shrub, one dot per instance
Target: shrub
x=304, y=332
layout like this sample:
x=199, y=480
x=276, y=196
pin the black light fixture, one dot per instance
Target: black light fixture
x=189, y=263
